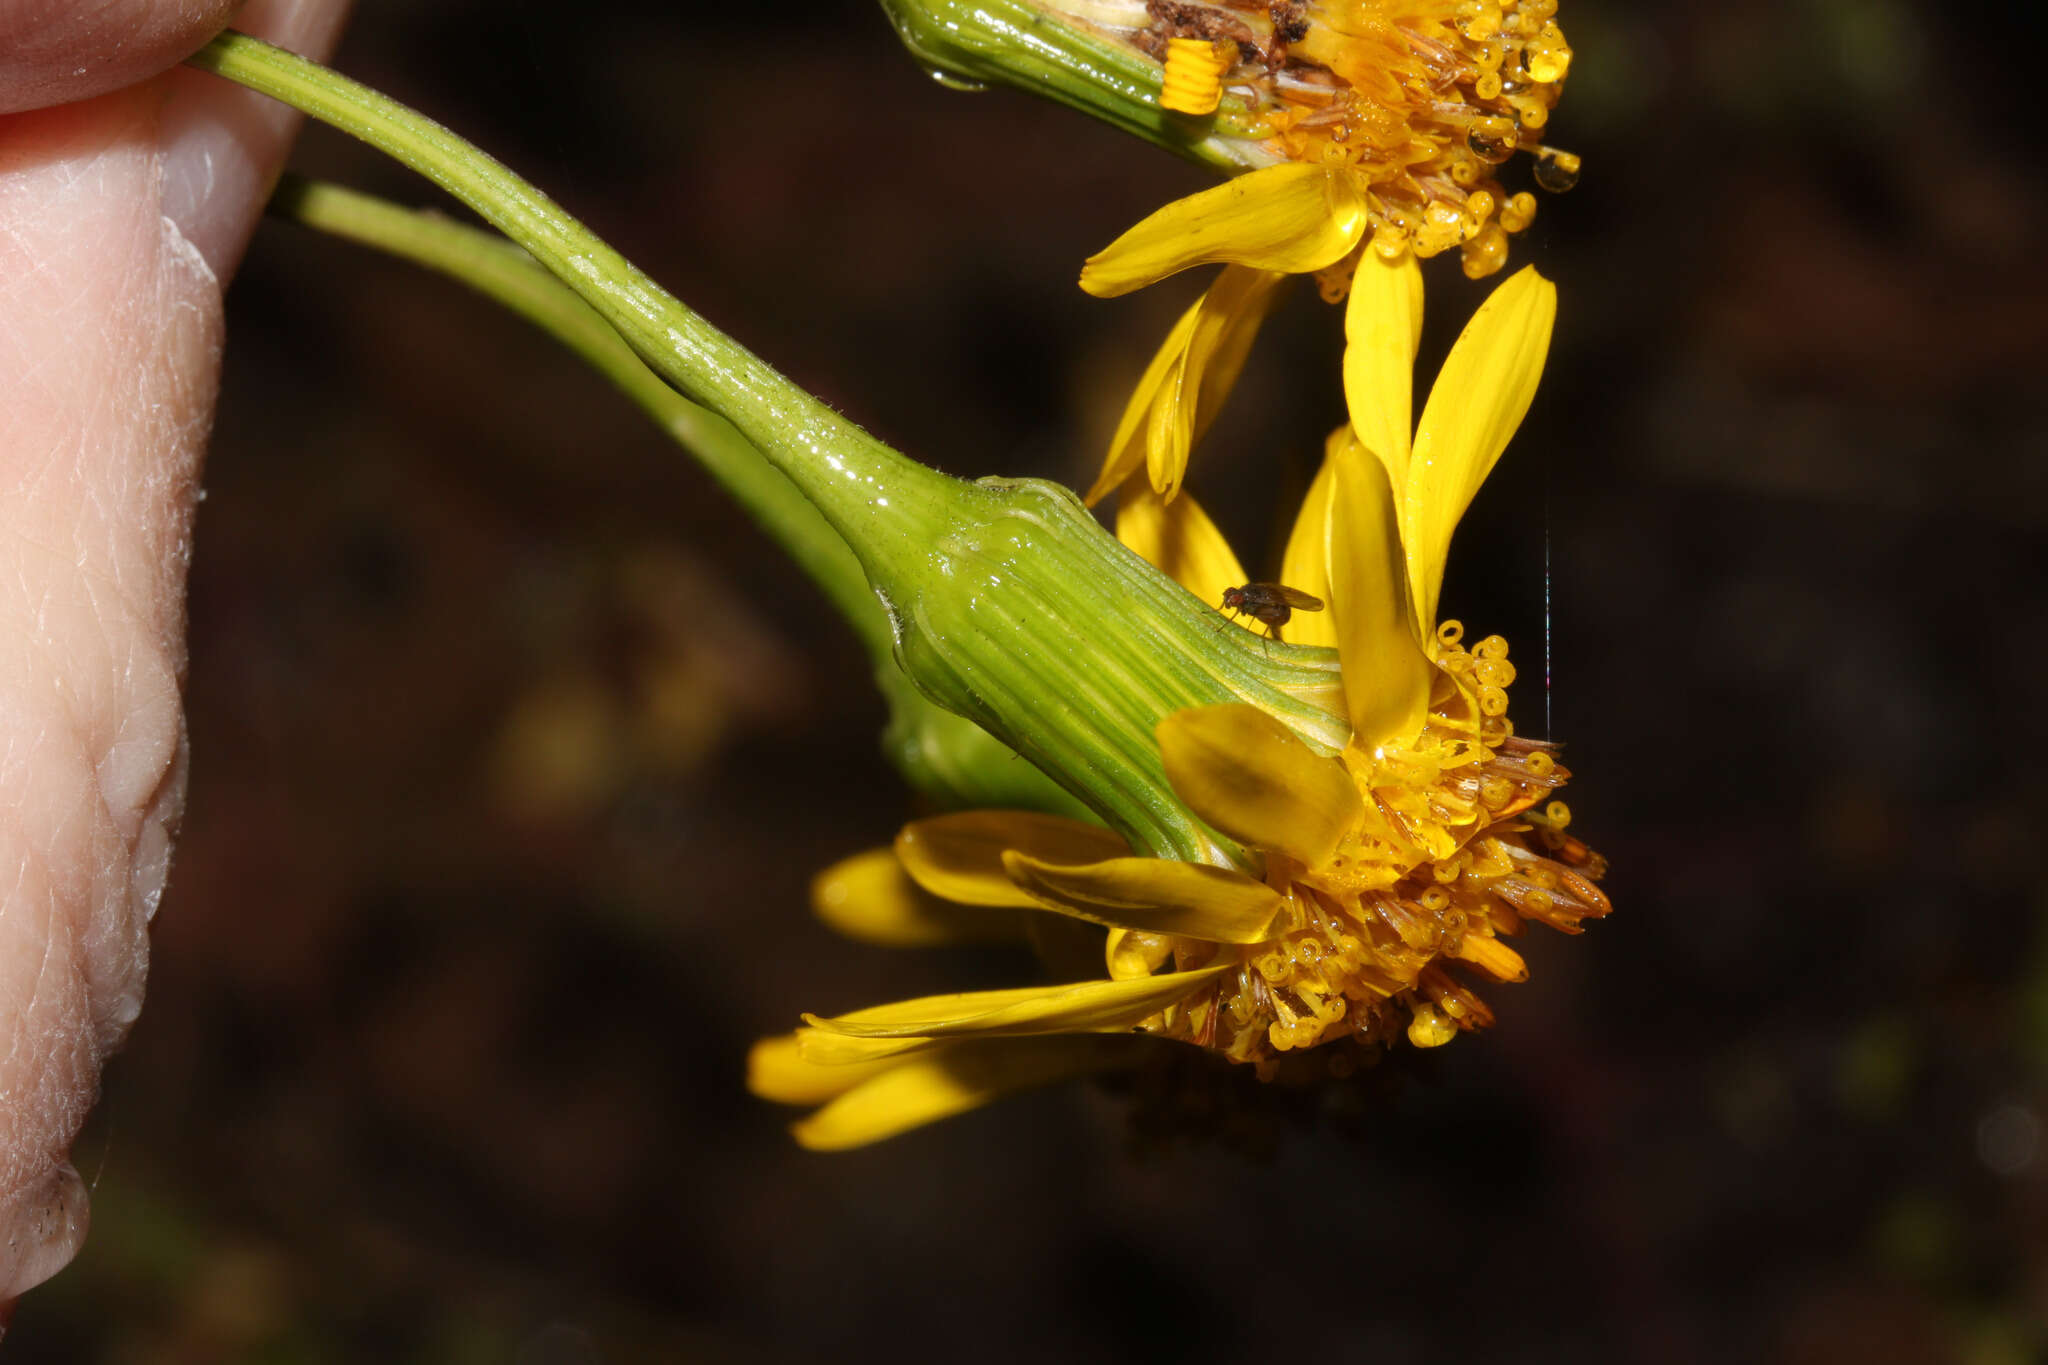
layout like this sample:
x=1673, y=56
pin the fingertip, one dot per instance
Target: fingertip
x=63, y=53
x=42, y=1226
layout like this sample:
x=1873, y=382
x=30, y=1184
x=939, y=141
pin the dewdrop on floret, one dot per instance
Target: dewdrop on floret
x=1556, y=171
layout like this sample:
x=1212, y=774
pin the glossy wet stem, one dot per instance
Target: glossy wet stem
x=773, y=414
x=968, y=44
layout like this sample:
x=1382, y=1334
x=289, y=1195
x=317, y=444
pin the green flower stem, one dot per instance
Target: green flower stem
x=954, y=762
x=842, y=466
x=1008, y=603
x=972, y=43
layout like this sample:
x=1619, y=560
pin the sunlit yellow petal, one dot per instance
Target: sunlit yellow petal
x=777, y=1070
x=1162, y=895
x=1474, y=407
x=1382, y=328
x=1090, y=1006
x=1386, y=675
x=1127, y=447
x=871, y=898
x=840, y=1049
x=1169, y=436
x=1291, y=217
x=828, y=1048
x=960, y=856
x=955, y=1004
x=1178, y=539
x=1252, y=778
x=1306, y=564
x=1189, y=398
x=938, y=1085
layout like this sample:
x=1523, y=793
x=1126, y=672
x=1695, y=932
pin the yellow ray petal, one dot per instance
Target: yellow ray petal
x=941, y=1084
x=1252, y=778
x=1382, y=328
x=1306, y=564
x=1087, y=1007
x=1293, y=218
x=777, y=1070
x=1156, y=894
x=1386, y=674
x=1169, y=435
x=1127, y=447
x=960, y=856
x=1178, y=539
x=871, y=898
x=1474, y=407
x=1184, y=387
x=946, y=1006
x=833, y=1049
x=1188, y=400
x=838, y=1049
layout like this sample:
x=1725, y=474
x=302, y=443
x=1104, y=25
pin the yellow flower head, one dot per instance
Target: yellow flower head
x=1385, y=118
x=1366, y=882
x=1386, y=121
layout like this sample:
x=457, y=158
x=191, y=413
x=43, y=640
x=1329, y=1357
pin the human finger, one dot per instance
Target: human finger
x=71, y=50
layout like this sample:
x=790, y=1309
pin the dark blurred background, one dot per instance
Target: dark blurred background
x=515, y=747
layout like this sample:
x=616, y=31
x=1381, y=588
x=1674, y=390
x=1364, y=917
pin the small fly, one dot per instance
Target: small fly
x=1272, y=603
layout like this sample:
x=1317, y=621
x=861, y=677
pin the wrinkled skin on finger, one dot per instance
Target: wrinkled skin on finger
x=61, y=51
x=127, y=192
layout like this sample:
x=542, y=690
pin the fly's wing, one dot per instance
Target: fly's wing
x=1295, y=597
